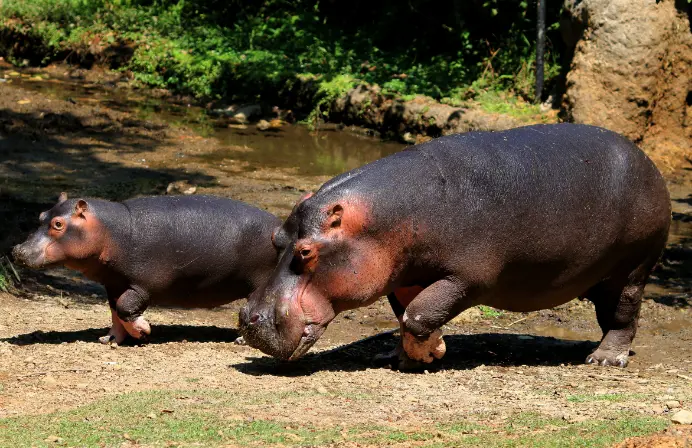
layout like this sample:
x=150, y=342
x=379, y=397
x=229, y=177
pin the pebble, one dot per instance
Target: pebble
x=672, y=404
x=682, y=417
x=263, y=125
x=321, y=390
x=54, y=439
x=658, y=409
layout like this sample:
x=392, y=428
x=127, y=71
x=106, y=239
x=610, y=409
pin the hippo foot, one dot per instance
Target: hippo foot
x=240, y=341
x=117, y=334
x=424, y=349
x=603, y=357
x=138, y=328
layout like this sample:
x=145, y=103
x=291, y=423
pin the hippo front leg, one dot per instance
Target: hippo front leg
x=129, y=308
x=428, y=311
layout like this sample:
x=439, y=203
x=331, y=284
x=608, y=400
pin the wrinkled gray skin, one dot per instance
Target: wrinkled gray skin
x=186, y=251
x=519, y=220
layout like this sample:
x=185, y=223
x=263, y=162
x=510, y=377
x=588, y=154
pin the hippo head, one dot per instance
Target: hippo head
x=327, y=263
x=67, y=234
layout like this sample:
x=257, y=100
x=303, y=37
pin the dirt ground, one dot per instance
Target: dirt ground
x=497, y=364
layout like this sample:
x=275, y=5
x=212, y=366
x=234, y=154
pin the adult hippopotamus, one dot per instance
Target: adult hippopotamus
x=520, y=220
x=187, y=251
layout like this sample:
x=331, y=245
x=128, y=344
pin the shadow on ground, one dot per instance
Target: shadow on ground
x=161, y=334
x=463, y=352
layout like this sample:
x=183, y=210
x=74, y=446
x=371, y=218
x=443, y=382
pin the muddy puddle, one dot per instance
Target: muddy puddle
x=326, y=152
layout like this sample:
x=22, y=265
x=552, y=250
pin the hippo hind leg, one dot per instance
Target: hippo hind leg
x=617, y=303
x=117, y=334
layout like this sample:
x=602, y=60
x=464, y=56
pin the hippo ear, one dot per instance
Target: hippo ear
x=81, y=207
x=62, y=198
x=335, y=214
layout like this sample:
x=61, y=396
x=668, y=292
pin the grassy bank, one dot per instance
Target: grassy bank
x=450, y=51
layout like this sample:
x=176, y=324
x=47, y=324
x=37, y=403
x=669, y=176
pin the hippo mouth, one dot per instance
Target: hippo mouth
x=31, y=259
x=311, y=333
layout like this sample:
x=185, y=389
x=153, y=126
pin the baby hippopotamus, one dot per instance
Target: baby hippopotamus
x=187, y=251
x=520, y=220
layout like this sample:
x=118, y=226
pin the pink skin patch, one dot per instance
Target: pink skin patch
x=117, y=333
x=138, y=327
x=433, y=347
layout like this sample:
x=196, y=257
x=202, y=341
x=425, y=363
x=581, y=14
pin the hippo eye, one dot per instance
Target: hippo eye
x=58, y=224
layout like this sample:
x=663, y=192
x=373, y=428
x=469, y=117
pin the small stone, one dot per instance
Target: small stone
x=682, y=417
x=658, y=409
x=151, y=415
x=409, y=138
x=263, y=125
x=321, y=390
x=50, y=380
x=126, y=436
x=82, y=385
x=672, y=404
x=53, y=439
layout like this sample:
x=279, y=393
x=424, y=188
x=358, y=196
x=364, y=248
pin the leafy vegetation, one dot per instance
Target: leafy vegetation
x=490, y=311
x=256, y=50
x=159, y=418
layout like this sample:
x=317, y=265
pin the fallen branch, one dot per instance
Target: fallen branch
x=517, y=321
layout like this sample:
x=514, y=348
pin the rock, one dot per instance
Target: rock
x=366, y=105
x=657, y=409
x=321, y=390
x=408, y=138
x=630, y=72
x=262, y=125
x=237, y=126
x=244, y=114
x=54, y=439
x=682, y=417
x=181, y=187
x=672, y=404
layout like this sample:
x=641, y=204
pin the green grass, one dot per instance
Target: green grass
x=4, y=282
x=259, y=50
x=582, y=398
x=214, y=418
x=489, y=311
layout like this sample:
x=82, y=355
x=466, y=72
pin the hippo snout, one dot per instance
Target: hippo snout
x=19, y=254
x=30, y=255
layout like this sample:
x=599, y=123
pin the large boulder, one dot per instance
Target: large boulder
x=632, y=72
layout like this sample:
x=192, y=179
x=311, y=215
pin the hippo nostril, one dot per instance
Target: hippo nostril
x=305, y=252
x=255, y=318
